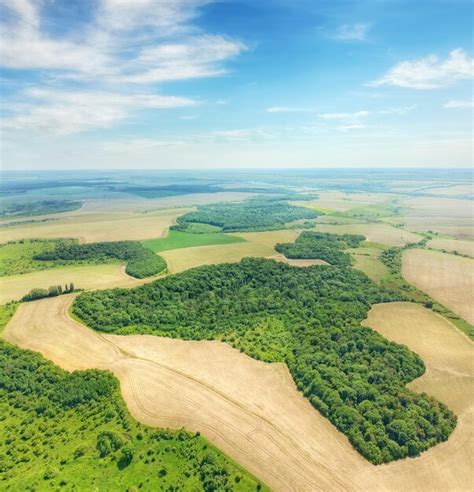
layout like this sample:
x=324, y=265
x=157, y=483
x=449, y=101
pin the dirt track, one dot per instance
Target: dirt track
x=249, y=409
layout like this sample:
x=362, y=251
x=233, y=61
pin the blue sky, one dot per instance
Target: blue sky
x=236, y=83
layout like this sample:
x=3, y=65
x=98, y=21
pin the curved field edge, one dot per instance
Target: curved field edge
x=352, y=375
x=73, y=429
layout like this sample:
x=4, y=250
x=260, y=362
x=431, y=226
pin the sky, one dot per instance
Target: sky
x=190, y=84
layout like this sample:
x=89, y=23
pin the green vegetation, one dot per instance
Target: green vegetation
x=16, y=209
x=310, y=318
x=53, y=291
x=141, y=262
x=18, y=256
x=178, y=239
x=392, y=258
x=255, y=214
x=72, y=431
x=321, y=245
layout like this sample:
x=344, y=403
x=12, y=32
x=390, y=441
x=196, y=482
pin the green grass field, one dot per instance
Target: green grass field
x=178, y=239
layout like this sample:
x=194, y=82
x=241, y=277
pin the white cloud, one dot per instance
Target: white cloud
x=430, y=72
x=68, y=112
x=355, y=126
x=459, y=104
x=139, y=145
x=352, y=32
x=241, y=134
x=285, y=109
x=344, y=116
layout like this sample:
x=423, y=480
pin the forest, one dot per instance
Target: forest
x=254, y=214
x=38, y=207
x=321, y=245
x=308, y=318
x=141, y=262
x=62, y=430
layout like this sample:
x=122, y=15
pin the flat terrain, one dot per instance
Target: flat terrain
x=453, y=245
x=377, y=233
x=295, y=262
x=252, y=411
x=341, y=202
x=260, y=244
x=447, y=278
x=367, y=260
x=14, y=287
x=96, y=227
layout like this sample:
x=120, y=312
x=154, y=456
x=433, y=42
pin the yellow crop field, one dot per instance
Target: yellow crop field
x=453, y=245
x=447, y=278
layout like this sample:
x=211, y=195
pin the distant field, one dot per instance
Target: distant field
x=341, y=202
x=453, y=245
x=377, y=233
x=447, y=278
x=14, y=287
x=257, y=244
x=367, y=260
x=96, y=227
x=178, y=239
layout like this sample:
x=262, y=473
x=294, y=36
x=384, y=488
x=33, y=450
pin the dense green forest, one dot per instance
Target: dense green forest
x=322, y=246
x=141, y=262
x=310, y=319
x=255, y=214
x=72, y=431
x=37, y=207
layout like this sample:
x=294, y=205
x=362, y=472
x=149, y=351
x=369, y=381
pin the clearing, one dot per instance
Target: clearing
x=447, y=278
x=367, y=260
x=236, y=401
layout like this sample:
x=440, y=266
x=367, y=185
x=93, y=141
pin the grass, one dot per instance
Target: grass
x=178, y=240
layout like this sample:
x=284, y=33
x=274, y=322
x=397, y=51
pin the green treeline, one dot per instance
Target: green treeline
x=310, y=319
x=73, y=431
x=141, y=262
x=53, y=291
x=321, y=245
x=255, y=214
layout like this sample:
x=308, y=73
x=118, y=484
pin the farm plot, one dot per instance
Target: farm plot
x=453, y=246
x=236, y=402
x=367, y=260
x=447, y=278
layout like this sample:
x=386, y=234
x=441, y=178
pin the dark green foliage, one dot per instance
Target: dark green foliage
x=61, y=428
x=322, y=246
x=15, y=209
x=351, y=374
x=53, y=291
x=141, y=262
x=256, y=214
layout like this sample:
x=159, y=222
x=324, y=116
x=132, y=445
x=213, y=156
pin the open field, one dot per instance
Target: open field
x=14, y=287
x=452, y=190
x=96, y=227
x=377, y=233
x=236, y=402
x=453, y=245
x=257, y=244
x=444, y=215
x=341, y=202
x=367, y=260
x=447, y=278
x=178, y=240
x=295, y=262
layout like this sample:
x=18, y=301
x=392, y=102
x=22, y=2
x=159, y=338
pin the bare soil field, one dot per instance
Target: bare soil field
x=377, y=233
x=453, y=245
x=251, y=410
x=447, y=278
x=93, y=227
x=445, y=215
x=259, y=244
x=341, y=202
x=14, y=287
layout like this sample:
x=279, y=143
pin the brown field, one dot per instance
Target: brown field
x=93, y=227
x=377, y=233
x=341, y=202
x=453, y=190
x=444, y=215
x=453, y=245
x=447, y=278
x=259, y=244
x=252, y=411
x=14, y=287
x=296, y=262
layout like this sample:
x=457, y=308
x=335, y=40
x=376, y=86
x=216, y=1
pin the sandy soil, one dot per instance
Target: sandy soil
x=297, y=262
x=447, y=278
x=252, y=410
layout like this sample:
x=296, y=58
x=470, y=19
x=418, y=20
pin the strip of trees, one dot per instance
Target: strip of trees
x=53, y=291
